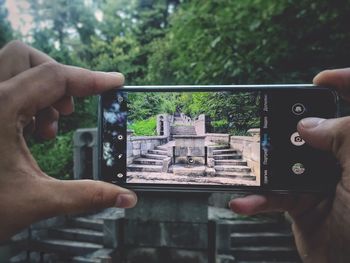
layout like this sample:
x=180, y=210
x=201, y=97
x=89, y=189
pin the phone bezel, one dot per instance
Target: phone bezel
x=191, y=88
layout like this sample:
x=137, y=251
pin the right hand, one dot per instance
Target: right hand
x=321, y=224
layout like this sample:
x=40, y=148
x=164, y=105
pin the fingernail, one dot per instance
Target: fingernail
x=54, y=126
x=316, y=79
x=117, y=74
x=310, y=123
x=125, y=200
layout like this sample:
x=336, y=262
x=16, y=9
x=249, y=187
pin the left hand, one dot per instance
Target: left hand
x=34, y=91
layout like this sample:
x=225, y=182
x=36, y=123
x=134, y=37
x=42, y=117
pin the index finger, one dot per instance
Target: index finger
x=42, y=86
x=18, y=57
x=339, y=79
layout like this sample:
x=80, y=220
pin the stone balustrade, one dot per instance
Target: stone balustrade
x=218, y=138
x=140, y=145
x=249, y=146
x=199, y=124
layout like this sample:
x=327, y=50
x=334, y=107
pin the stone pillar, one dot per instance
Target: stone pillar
x=163, y=125
x=129, y=148
x=210, y=157
x=167, y=227
x=85, y=154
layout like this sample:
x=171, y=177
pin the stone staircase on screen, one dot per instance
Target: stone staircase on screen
x=150, y=162
x=183, y=130
x=229, y=163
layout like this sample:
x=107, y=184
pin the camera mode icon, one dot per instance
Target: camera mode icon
x=298, y=168
x=298, y=109
x=296, y=139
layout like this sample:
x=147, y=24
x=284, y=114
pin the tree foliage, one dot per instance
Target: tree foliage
x=5, y=27
x=228, y=112
x=251, y=41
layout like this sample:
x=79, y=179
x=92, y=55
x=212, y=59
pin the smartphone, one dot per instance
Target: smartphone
x=214, y=138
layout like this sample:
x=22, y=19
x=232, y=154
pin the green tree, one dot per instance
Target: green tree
x=5, y=27
x=229, y=112
x=252, y=41
x=64, y=30
x=132, y=24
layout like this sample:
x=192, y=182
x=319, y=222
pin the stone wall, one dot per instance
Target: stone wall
x=189, y=146
x=250, y=148
x=139, y=145
x=168, y=227
x=219, y=138
x=199, y=125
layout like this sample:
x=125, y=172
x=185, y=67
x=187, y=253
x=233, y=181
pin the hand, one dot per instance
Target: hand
x=321, y=224
x=34, y=85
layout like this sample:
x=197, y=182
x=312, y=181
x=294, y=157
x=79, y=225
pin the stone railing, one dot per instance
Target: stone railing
x=24, y=245
x=139, y=145
x=199, y=124
x=187, y=120
x=219, y=138
x=249, y=146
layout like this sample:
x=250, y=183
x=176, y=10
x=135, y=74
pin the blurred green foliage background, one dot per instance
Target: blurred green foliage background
x=182, y=42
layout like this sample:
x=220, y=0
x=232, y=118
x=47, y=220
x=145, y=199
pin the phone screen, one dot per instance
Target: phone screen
x=214, y=138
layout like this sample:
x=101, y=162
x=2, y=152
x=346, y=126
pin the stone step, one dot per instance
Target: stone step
x=232, y=168
x=219, y=147
x=159, y=152
x=19, y=258
x=184, y=133
x=248, y=177
x=99, y=256
x=225, y=151
x=35, y=257
x=144, y=168
x=231, y=162
x=88, y=223
x=161, y=147
x=183, y=130
x=262, y=253
x=227, y=156
x=245, y=226
x=261, y=238
x=80, y=259
x=77, y=234
x=148, y=161
x=66, y=247
x=154, y=156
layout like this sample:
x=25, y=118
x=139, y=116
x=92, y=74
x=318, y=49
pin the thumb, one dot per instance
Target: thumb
x=329, y=135
x=87, y=195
